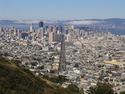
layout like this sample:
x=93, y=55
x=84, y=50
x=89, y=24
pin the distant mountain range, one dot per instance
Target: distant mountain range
x=114, y=25
x=71, y=22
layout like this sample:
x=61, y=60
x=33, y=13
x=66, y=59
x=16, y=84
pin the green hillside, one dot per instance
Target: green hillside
x=16, y=80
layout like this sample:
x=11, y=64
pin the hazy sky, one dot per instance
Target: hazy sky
x=61, y=9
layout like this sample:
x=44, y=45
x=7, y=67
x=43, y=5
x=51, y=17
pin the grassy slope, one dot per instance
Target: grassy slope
x=15, y=80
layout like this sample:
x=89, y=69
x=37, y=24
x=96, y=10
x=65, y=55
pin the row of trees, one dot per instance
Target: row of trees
x=102, y=88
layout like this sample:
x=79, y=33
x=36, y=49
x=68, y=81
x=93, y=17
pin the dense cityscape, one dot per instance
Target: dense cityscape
x=83, y=56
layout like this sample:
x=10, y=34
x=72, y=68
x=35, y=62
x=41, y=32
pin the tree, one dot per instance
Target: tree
x=101, y=88
x=122, y=92
x=73, y=88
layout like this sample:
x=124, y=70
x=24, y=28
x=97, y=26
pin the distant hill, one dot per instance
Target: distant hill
x=114, y=25
x=16, y=80
x=71, y=22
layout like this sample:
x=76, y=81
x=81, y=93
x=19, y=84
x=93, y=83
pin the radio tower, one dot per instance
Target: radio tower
x=62, y=60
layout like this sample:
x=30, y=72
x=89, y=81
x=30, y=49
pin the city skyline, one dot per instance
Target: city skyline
x=61, y=10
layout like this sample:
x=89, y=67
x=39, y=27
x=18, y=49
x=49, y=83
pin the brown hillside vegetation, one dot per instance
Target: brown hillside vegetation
x=16, y=80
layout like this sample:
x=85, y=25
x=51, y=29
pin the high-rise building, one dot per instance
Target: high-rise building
x=51, y=37
x=31, y=28
x=41, y=24
x=18, y=34
x=40, y=33
x=62, y=60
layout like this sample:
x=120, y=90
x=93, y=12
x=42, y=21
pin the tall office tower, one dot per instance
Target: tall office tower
x=41, y=24
x=51, y=37
x=51, y=34
x=68, y=37
x=13, y=32
x=31, y=32
x=60, y=28
x=62, y=60
x=18, y=34
x=40, y=33
x=31, y=28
